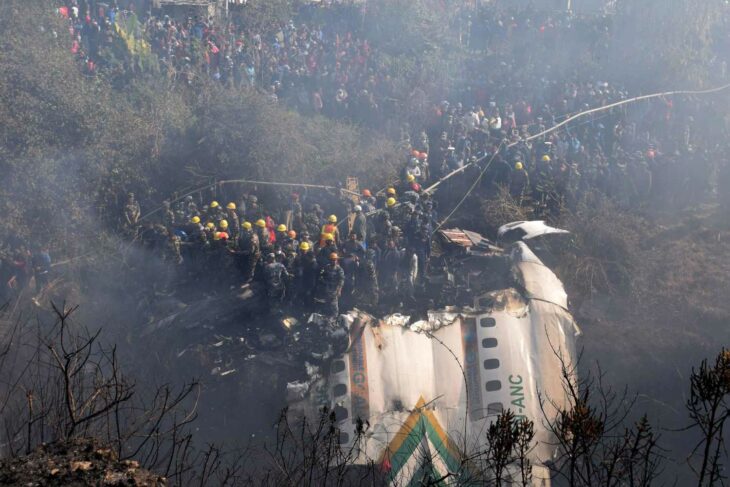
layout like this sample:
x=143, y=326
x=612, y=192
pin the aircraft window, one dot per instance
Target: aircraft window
x=340, y=413
x=493, y=385
x=491, y=364
x=339, y=390
x=338, y=366
x=489, y=343
x=487, y=322
x=494, y=408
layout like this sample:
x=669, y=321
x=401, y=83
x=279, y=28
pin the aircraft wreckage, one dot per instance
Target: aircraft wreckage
x=431, y=387
x=496, y=335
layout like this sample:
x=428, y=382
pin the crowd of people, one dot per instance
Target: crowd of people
x=374, y=254
x=375, y=251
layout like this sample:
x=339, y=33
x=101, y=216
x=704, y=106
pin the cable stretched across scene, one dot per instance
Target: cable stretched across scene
x=555, y=127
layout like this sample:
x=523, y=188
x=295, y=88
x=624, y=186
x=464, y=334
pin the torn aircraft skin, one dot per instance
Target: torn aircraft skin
x=430, y=388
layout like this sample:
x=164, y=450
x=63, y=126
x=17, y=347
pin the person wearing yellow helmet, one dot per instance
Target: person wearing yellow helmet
x=249, y=248
x=390, y=202
x=390, y=192
x=262, y=232
x=233, y=220
x=331, y=228
x=545, y=158
x=327, y=245
x=281, y=228
x=210, y=226
x=223, y=225
x=195, y=219
x=213, y=204
x=306, y=272
x=519, y=182
x=410, y=178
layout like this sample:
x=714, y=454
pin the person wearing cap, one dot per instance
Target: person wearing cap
x=360, y=225
x=329, y=287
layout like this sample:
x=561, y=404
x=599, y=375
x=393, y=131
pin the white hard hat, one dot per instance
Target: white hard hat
x=358, y=208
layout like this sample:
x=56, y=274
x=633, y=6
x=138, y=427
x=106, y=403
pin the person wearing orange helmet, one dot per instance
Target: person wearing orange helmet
x=329, y=287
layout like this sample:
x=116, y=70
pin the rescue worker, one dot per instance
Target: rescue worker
x=391, y=261
x=168, y=216
x=367, y=292
x=327, y=248
x=249, y=251
x=281, y=236
x=275, y=276
x=330, y=228
x=263, y=236
x=519, y=183
x=132, y=211
x=329, y=287
x=367, y=201
x=353, y=246
x=306, y=272
x=360, y=225
x=214, y=211
x=233, y=221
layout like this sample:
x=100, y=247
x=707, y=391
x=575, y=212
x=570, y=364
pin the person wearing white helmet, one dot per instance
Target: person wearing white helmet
x=360, y=225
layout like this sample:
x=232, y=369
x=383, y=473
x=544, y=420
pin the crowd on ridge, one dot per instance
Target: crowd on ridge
x=655, y=154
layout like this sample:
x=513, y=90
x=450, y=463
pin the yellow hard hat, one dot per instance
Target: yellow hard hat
x=195, y=219
x=332, y=219
x=391, y=191
x=260, y=223
x=210, y=225
x=304, y=246
x=214, y=204
x=545, y=158
x=390, y=202
x=334, y=256
x=223, y=224
x=518, y=166
x=411, y=178
x=327, y=237
x=281, y=228
x=231, y=206
x=246, y=225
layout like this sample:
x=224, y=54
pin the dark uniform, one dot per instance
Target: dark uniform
x=329, y=286
x=275, y=276
x=249, y=252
